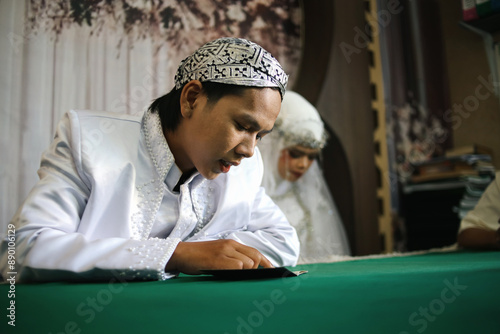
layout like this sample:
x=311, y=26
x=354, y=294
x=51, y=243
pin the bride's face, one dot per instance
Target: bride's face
x=294, y=161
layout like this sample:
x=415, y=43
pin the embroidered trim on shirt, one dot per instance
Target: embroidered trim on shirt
x=203, y=206
x=152, y=255
x=150, y=193
x=157, y=144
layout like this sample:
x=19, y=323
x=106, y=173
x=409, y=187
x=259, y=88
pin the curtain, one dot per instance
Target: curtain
x=108, y=55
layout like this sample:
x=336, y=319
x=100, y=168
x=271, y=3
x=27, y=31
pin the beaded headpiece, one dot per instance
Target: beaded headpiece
x=234, y=61
x=299, y=123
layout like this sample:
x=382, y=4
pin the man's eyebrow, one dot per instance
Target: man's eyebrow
x=253, y=124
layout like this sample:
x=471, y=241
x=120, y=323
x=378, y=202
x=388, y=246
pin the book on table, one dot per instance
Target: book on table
x=444, y=168
x=469, y=149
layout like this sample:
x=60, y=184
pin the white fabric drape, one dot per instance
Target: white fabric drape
x=41, y=78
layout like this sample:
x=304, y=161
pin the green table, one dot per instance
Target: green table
x=454, y=292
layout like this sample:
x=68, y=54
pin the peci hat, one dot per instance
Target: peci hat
x=233, y=61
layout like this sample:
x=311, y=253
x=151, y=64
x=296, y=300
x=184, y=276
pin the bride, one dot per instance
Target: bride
x=294, y=180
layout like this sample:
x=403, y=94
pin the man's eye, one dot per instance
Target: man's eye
x=240, y=127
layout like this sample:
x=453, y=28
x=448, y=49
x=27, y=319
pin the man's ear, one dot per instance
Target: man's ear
x=191, y=92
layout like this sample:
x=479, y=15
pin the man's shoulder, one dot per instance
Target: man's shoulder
x=100, y=131
x=86, y=114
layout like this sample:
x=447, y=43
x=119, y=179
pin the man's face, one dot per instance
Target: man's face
x=220, y=135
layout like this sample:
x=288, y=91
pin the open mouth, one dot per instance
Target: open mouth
x=226, y=165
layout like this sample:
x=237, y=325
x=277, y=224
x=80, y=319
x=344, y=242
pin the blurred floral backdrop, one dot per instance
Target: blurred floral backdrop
x=180, y=26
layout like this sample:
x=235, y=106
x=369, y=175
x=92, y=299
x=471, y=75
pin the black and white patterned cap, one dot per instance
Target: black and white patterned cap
x=233, y=61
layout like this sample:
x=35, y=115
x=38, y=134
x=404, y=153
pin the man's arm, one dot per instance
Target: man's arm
x=480, y=228
x=49, y=242
x=268, y=229
x=270, y=232
x=476, y=238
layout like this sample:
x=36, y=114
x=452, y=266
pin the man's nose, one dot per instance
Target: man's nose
x=247, y=147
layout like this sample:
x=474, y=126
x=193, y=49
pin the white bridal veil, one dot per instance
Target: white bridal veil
x=307, y=203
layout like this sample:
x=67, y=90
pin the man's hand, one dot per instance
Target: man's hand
x=191, y=257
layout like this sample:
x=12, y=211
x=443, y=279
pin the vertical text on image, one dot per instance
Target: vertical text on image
x=11, y=274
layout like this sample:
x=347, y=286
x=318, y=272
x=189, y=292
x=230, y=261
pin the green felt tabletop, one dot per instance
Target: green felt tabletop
x=455, y=292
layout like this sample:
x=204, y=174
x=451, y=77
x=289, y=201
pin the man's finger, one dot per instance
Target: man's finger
x=256, y=256
x=265, y=262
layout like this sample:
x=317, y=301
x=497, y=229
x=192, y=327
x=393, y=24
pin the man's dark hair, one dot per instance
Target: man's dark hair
x=169, y=108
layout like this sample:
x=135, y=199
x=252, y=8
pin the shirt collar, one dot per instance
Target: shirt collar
x=173, y=176
x=157, y=145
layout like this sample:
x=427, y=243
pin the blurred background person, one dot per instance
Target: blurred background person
x=295, y=181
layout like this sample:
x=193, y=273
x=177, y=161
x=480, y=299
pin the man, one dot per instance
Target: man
x=480, y=228
x=177, y=190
